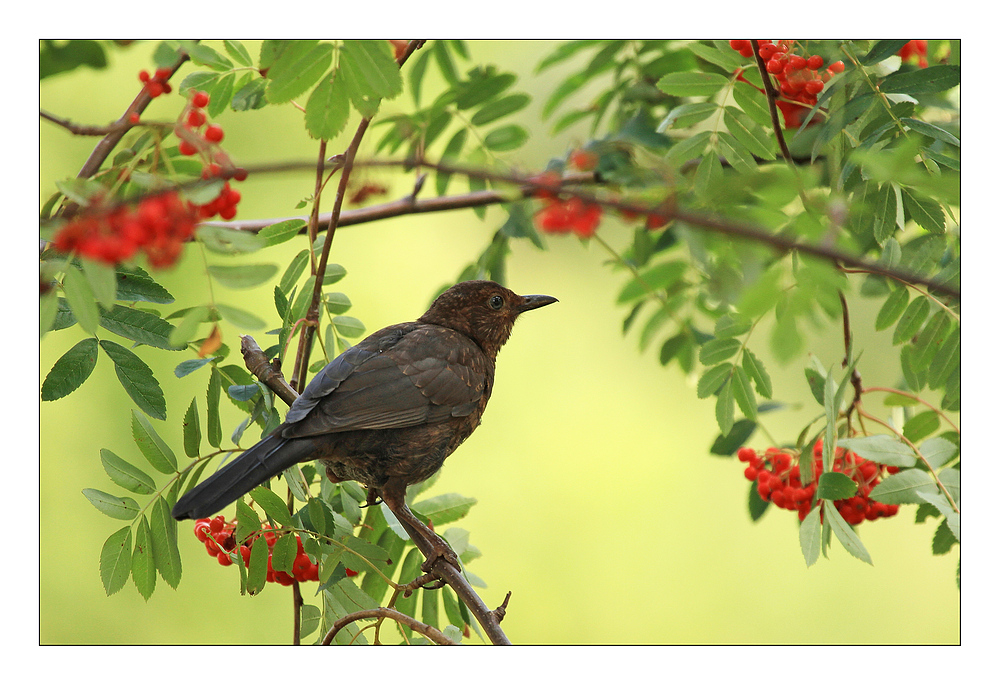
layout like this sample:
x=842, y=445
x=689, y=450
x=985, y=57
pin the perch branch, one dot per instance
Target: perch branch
x=427, y=631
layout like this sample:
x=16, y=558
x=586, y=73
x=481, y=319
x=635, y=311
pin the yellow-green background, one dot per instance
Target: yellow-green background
x=599, y=505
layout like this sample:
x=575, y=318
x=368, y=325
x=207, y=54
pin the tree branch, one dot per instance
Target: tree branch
x=772, y=96
x=427, y=631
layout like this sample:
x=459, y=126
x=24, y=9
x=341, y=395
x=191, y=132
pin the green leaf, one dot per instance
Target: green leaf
x=116, y=560
x=81, y=299
x=272, y=505
x=293, y=271
x=689, y=148
x=749, y=133
x=725, y=407
x=333, y=273
x=892, y=308
x=126, y=475
x=945, y=360
x=882, y=449
x=753, y=102
x=656, y=277
x=884, y=206
x=328, y=108
x=143, y=570
x=848, y=538
x=925, y=213
x=445, y=508
x=257, y=571
x=728, y=59
x=283, y=553
x=238, y=52
x=298, y=65
x=185, y=330
x=240, y=317
x=348, y=326
x=275, y=234
x=206, y=56
x=228, y=241
x=931, y=131
x=192, y=430
x=70, y=370
x=139, y=326
x=251, y=96
x=817, y=383
x=938, y=451
x=101, y=278
x=921, y=425
x=718, y=350
x=810, y=536
x=370, y=71
x=137, y=379
x=913, y=317
x=713, y=379
x=451, y=152
x=365, y=550
x=933, y=79
x=687, y=114
x=743, y=393
x=756, y=371
x=736, y=153
x=152, y=446
x=246, y=276
x=247, y=521
x=692, y=83
x=707, y=176
x=124, y=508
x=135, y=285
x=497, y=109
x=903, y=487
x=504, y=138
x=835, y=485
x=883, y=49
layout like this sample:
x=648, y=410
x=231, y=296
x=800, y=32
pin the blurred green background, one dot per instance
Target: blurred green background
x=599, y=505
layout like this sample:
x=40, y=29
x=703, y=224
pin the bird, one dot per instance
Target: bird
x=388, y=411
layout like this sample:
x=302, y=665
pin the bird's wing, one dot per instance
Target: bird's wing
x=404, y=375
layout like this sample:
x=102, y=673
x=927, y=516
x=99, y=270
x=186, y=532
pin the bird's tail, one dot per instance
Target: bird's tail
x=266, y=459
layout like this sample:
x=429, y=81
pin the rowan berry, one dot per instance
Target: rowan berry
x=814, y=86
x=195, y=118
x=836, y=67
x=186, y=148
x=814, y=62
x=199, y=99
x=775, y=66
x=213, y=133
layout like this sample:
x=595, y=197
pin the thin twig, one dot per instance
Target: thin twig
x=413, y=624
x=772, y=95
x=83, y=129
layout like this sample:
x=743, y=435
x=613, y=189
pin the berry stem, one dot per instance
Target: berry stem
x=771, y=94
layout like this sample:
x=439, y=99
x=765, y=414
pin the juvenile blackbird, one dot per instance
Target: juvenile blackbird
x=388, y=411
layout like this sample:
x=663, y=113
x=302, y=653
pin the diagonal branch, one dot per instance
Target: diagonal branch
x=413, y=624
x=772, y=96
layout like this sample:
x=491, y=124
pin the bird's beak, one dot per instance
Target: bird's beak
x=534, y=302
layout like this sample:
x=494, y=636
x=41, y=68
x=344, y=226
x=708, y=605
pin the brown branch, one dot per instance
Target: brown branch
x=772, y=95
x=855, y=376
x=83, y=129
x=268, y=373
x=413, y=624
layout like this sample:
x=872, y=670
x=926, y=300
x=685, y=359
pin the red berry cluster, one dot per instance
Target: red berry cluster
x=564, y=216
x=156, y=85
x=779, y=481
x=916, y=49
x=159, y=225
x=194, y=139
x=800, y=79
x=217, y=534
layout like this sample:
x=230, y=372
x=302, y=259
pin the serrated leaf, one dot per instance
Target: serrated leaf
x=911, y=320
x=689, y=148
x=945, y=360
x=135, y=285
x=370, y=70
x=238, y=52
x=903, y=487
x=756, y=371
x=206, y=56
x=921, y=425
x=297, y=66
x=882, y=449
x=817, y=384
x=277, y=233
x=884, y=208
x=139, y=326
x=811, y=537
x=726, y=445
x=251, y=96
x=137, y=379
x=283, y=553
x=848, y=538
x=892, y=308
x=505, y=138
x=152, y=446
x=366, y=550
x=748, y=132
x=333, y=273
x=80, y=298
x=116, y=560
x=725, y=408
x=126, y=475
x=101, y=278
x=293, y=272
x=445, y=508
x=245, y=276
x=938, y=451
x=192, y=430
x=143, y=570
x=692, y=83
x=933, y=79
x=753, y=102
x=743, y=393
x=497, y=109
x=686, y=115
x=272, y=505
x=70, y=370
x=185, y=330
x=348, y=326
x=718, y=350
x=713, y=379
x=228, y=241
x=835, y=485
x=328, y=108
x=124, y=508
x=257, y=571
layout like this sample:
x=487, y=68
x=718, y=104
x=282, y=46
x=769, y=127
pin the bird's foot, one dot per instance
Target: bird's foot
x=440, y=550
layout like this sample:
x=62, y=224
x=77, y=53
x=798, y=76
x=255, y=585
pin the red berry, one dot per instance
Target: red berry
x=814, y=86
x=837, y=67
x=746, y=454
x=199, y=99
x=144, y=76
x=797, y=61
x=240, y=174
x=155, y=89
x=775, y=66
x=815, y=62
x=213, y=133
x=738, y=44
x=187, y=148
x=224, y=559
x=195, y=118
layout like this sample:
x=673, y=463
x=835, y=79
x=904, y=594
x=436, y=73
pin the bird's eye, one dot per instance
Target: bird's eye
x=496, y=302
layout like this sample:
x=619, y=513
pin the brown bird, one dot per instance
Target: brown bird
x=388, y=411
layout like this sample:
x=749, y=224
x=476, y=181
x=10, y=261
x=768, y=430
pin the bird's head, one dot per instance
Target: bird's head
x=483, y=310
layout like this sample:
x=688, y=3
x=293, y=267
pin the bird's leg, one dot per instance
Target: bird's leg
x=430, y=544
